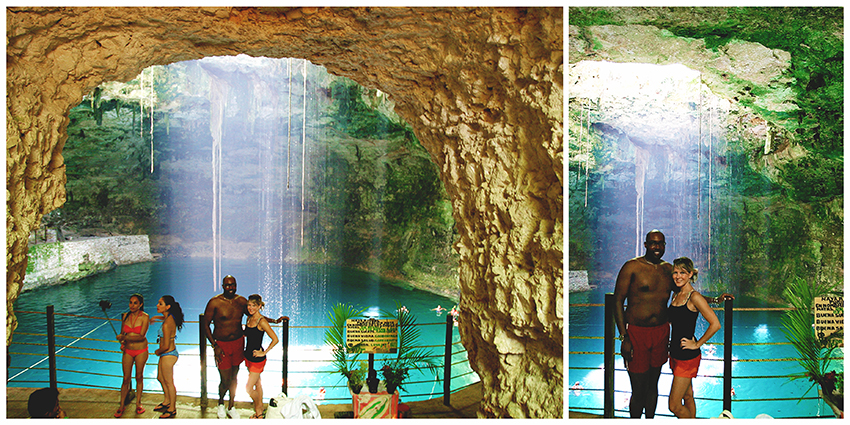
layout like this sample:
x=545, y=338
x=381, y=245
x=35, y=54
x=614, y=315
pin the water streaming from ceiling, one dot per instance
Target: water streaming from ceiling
x=655, y=146
x=262, y=116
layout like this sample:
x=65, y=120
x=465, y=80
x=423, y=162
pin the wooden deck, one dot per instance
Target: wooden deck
x=96, y=403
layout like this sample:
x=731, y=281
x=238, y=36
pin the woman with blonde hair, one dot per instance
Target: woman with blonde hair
x=255, y=356
x=686, y=305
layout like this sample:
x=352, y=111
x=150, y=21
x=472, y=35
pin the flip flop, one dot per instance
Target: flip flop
x=256, y=416
x=140, y=410
x=161, y=407
x=119, y=412
x=169, y=414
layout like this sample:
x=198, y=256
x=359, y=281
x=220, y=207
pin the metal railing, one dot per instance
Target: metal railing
x=609, y=355
x=54, y=352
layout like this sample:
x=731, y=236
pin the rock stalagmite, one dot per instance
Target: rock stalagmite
x=482, y=88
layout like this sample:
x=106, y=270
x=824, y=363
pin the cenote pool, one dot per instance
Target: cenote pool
x=305, y=295
x=761, y=360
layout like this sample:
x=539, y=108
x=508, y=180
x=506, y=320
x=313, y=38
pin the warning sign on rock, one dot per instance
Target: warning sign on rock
x=829, y=316
x=375, y=335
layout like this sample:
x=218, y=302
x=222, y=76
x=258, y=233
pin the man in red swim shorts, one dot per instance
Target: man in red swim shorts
x=225, y=311
x=647, y=282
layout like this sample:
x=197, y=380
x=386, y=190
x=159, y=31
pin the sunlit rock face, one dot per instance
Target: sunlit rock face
x=482, y=89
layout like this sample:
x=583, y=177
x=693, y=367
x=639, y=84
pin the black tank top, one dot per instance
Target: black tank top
x=253, y=341
x=683, y=323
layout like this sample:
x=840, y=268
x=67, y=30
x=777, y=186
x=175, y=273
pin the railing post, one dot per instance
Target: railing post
x=447, y=362
x=727, y=355
x=608, y=395
x=51, y=347
x=203, y=353
x=284, y=341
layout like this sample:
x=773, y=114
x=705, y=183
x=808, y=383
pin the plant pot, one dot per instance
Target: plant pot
x=355, y=387
x=391, y=388
x=835, y=410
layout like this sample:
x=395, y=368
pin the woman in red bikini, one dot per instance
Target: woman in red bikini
x=134, y=326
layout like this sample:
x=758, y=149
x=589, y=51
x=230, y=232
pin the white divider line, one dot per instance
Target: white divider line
x=60, y=350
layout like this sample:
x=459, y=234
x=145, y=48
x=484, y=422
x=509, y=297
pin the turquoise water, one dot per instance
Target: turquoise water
x=749, y=375
x=306, y=297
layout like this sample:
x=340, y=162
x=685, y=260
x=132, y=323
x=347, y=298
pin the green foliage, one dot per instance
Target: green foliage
x=581, y=246
x=814, y=177
x=345, y=359
x=747, y=181
x=581, y=16
x=353, y=116
x=814, y=352
x=817, y=65
x=390, y=180
x=109, y=180
x=410, y=356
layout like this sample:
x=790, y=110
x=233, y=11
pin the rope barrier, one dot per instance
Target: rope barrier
x=104, y=321
x=713, y=308
x=609, y=368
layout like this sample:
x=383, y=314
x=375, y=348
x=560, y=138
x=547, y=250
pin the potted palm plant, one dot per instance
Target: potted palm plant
x=814, y=351
x=396, y=369
x=345, y=359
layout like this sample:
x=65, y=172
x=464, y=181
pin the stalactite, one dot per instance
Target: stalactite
x=141, y=106
x=767, y=141
x=641, y=163
x=699, y=151
x=289, y=125
x=710, y=164
x=218, y=98
x=578, y=142
x=303, y=148
x=587, y=161
x=153, y=96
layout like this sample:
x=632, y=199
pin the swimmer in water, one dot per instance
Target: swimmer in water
x=577, y=388
x=438, y=309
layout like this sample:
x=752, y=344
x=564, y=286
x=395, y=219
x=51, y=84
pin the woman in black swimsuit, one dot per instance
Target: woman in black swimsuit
x=255, y=356
x=685, y=354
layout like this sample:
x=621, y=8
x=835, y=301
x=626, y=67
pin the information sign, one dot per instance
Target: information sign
x=374, y=335
x=829, y=315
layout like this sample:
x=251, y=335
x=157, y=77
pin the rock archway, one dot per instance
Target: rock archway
x=482, y=88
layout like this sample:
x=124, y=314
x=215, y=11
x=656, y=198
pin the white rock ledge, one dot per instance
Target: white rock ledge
x=578, y=281
x=54, y=263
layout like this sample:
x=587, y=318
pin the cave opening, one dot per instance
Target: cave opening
x=447, y=69
x=649, y=153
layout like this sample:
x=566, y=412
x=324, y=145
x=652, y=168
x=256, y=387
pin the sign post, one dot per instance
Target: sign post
x=373, y=336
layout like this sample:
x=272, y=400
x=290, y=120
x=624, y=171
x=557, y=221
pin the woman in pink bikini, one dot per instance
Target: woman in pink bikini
x=134, y=326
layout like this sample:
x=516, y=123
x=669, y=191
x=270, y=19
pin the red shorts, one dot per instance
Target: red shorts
x=257, y=367
x=232, y=353
x=649, y=347
x=685, y=368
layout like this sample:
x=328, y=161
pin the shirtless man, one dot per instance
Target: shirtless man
x=225, y=310
x=646, y=282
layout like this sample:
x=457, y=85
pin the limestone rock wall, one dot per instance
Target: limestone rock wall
x=482, y=88
x=58, y=262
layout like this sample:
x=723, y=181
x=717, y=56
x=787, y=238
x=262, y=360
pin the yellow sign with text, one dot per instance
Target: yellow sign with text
x=374, y=335
x=829, y=316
